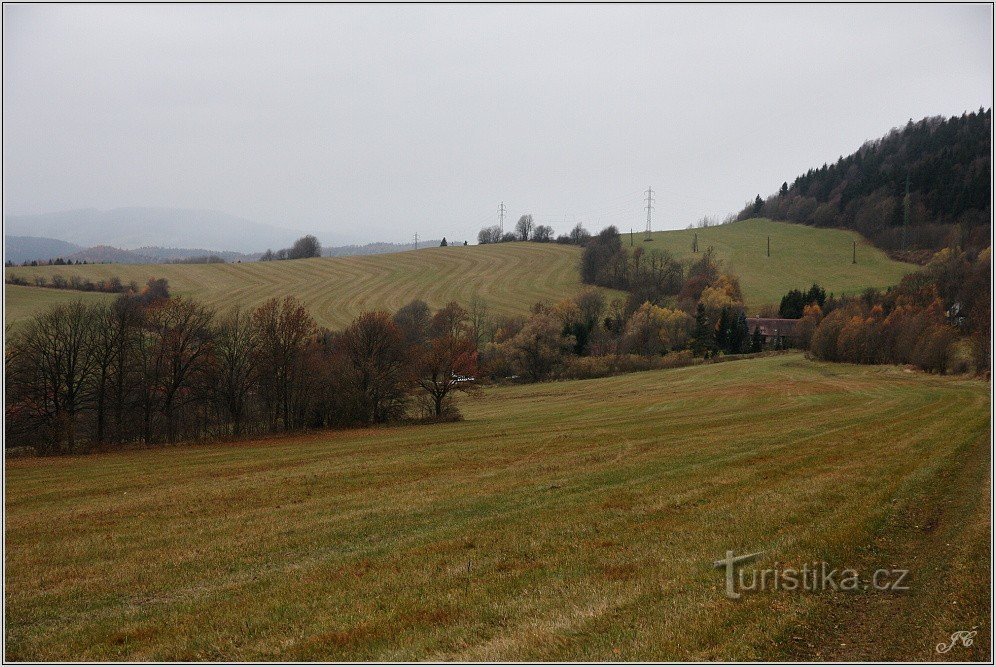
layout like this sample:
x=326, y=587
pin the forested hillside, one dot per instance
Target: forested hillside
x=946, y=163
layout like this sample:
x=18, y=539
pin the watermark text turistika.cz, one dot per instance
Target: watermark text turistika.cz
x=815, y=577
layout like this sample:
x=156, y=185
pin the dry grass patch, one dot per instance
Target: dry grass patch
x=562, y=521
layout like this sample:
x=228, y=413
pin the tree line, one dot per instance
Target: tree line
x=58, y=261
x=944, y=162
x=671, y=305
x=526, y=230
x=151, y=368
x=303, y=248
x=112, y=285
x=937, y=319
x=154, y=368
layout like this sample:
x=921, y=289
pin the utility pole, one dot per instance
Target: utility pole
x=650, y=207
x=695, y=242
x=630, y=237
x=854, y=252
x=501, y=219
x=906, y=213
x=416, y=240
x=769, y=246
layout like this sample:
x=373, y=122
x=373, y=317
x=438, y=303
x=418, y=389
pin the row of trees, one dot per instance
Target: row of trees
x=303, y=248
x=937, y=319
x=147, y=370
x=526, y=230
x=58, y=261
x=585, y=336
x=112, y=285
x=944, y=162
x=657, y=277
x=151, y=368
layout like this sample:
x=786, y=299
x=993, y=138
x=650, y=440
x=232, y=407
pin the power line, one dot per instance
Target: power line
x=650, y=208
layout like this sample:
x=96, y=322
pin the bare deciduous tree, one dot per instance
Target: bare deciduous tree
x=524, y=227
x=283, y=329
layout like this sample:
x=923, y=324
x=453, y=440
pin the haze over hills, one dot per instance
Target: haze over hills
x=154, y=235
x=510, y=277
x=131, y=228
x=25, y=249
x=19, y=249
x=378, y=248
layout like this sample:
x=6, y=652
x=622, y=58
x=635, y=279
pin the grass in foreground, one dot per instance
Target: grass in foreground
x=800, y=256
x=561, y=521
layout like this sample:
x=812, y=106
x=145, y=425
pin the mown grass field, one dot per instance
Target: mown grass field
x=23, y=302
x=509, y=277
x=800, y=256
x=559, y=521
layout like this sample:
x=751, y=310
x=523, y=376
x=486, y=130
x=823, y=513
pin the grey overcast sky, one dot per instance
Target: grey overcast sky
x=367, y=123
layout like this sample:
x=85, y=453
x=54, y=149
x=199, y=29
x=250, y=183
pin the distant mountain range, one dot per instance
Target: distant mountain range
x=375, y=248
x=21, y=249
x=157, y=235
x=136, y=228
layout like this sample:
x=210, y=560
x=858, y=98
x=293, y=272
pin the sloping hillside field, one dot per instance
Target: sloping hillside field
x=23, y=302
x=800, y=256
x=509, y=277
x=559, y=521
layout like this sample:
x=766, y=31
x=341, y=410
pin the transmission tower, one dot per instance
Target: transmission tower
x=501, y=219
x=650, y=208
x=416, y=240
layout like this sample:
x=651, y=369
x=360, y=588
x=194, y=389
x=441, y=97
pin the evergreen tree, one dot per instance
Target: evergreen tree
x=792, y=305
x=947, y=162
x=724, y=330
x=757, y=341
x=703, y=339
x=442, y=244
x=758, y=205
x=816, y=295
x=740, y=334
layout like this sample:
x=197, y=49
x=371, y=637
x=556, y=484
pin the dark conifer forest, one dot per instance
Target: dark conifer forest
x=945, y=163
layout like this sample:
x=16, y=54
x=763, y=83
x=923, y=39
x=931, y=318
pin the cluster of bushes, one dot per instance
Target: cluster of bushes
x=944, y=162
x=303, y=248
x=150, y=368
x=525, y=230
x=656, y=277
x=674, y=312
x=937, y=319
x=112, y=285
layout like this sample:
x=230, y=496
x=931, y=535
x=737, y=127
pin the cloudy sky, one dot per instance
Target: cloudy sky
x=373, y=123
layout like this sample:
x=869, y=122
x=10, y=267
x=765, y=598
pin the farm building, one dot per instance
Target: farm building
x=776, y=331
